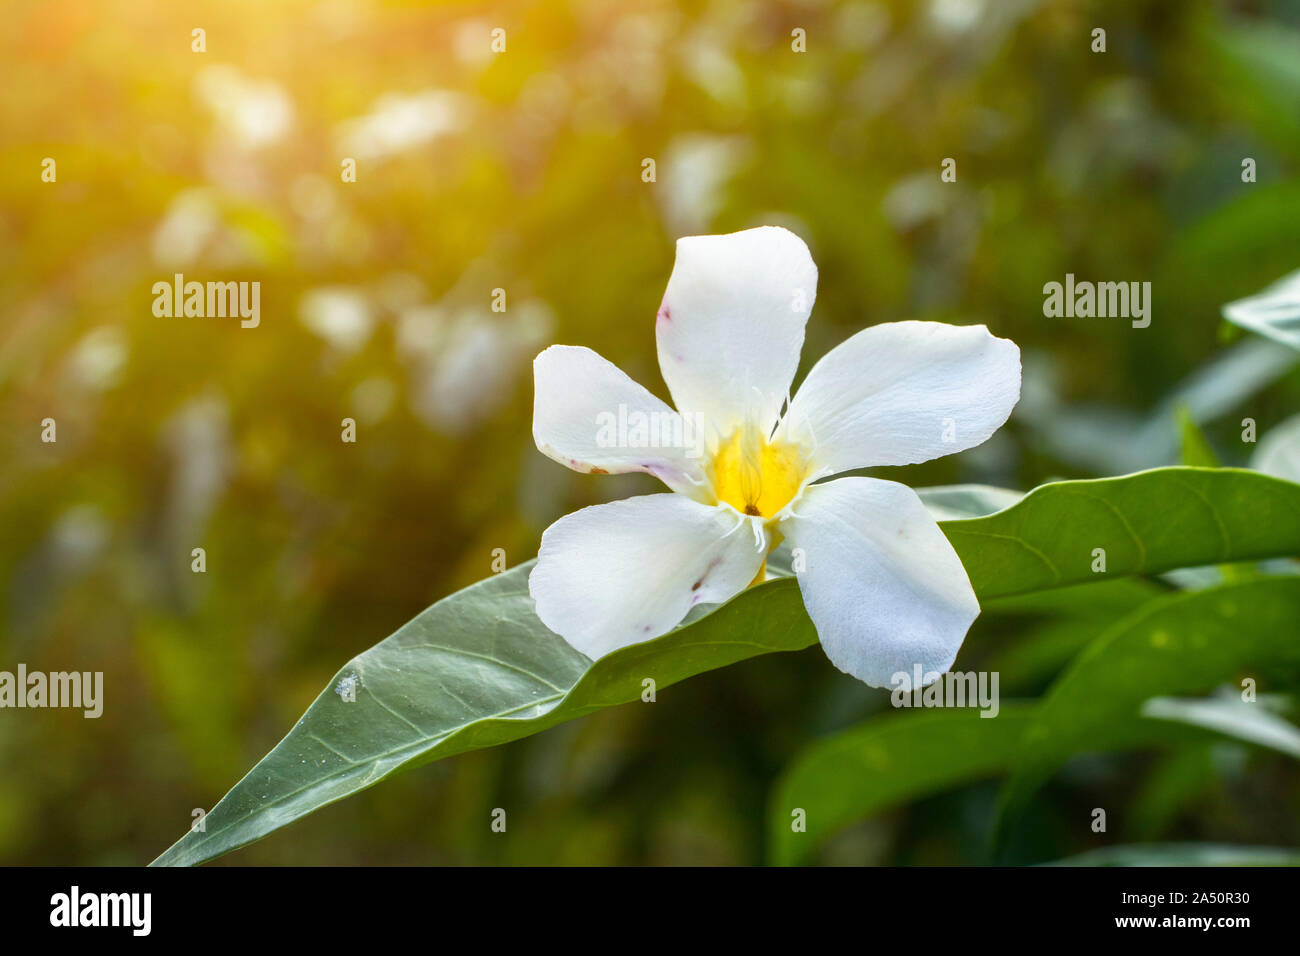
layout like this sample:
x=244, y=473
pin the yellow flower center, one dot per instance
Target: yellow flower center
x=755, y=476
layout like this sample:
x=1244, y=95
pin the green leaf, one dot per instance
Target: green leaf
x=1060, y=623
x=898, y=757
x=883, y=762
x=479, y=669
x=1186, y=643
x=1145, y=523
x=475, y=670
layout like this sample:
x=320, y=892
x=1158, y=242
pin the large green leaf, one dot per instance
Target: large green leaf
x=478, y=669
x=896, y=758
x=475, y=670
x=1183, y=644
x=1145, y=523
x=1055, y=625
x=883, y=762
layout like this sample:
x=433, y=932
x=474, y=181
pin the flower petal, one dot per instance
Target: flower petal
x=731, y=325
x=904, y=392
x=880, y=581
x=624, y=572
x=585, y=416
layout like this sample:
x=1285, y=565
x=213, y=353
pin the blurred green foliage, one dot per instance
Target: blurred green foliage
x=522, y=171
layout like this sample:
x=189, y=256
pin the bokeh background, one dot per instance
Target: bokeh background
x=522, y=171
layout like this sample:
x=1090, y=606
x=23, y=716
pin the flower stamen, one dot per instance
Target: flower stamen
x=756, y=476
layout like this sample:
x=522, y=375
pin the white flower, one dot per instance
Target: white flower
x=880, y=581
